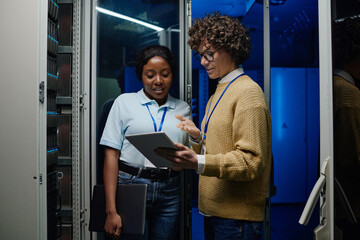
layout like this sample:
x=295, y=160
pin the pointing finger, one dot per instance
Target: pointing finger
x=181, y=118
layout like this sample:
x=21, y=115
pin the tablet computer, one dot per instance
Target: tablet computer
x=146, y=144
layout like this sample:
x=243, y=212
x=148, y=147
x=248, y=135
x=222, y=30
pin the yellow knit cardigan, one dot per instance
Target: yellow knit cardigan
x=235, y=180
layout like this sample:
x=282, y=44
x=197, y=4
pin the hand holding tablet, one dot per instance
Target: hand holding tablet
x=146, y=143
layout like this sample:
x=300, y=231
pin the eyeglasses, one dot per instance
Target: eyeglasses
x=208, y=55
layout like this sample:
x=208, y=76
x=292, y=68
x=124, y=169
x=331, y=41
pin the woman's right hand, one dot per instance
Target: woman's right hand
x=113, y=222
x=113, y=225
x=188, y=126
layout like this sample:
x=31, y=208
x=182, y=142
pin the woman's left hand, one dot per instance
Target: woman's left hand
x=188, y=126
x=183, y=157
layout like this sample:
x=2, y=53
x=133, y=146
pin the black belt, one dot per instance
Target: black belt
x=154, y=174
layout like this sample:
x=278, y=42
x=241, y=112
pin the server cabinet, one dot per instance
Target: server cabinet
x=42, y=105
x=23, y=105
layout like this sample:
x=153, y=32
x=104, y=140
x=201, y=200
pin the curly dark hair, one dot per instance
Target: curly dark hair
x=345, y=41
x=154, y=51
x=221, y=31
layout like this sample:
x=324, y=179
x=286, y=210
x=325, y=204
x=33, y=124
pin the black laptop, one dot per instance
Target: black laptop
x=130, y=204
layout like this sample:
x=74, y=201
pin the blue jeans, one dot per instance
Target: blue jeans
x=162, y=208
x=216, y=228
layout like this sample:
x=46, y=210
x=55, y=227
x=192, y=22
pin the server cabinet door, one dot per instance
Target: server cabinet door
x=23, y=125
x=326, y=226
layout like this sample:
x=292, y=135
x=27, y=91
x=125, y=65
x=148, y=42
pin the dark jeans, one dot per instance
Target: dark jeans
x=216, y=228
x=162, y=208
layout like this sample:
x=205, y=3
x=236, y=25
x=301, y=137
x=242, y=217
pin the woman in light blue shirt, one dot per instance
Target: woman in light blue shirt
x=151, y=109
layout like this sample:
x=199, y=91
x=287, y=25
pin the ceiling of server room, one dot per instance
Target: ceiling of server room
x=120, y=40
x=157, y=12
x=293, y=26
x=293, y=31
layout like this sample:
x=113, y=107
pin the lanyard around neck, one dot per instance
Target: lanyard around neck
x=162, y=119
x=207, y=119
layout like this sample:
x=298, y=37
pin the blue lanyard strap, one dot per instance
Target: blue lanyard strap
x=207, y=119
x=162, y=119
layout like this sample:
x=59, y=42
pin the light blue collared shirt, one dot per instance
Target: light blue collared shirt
x=129, y=115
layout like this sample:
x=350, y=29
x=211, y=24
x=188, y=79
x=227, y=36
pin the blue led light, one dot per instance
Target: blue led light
x=52, y=75
x=52, y=39
x=52, y=113
x=55, y=4
x=52, y=150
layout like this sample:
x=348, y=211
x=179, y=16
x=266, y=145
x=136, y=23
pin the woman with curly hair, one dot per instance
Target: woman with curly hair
x=232, y=151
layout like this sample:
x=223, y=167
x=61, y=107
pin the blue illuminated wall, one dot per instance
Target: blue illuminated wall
x=233, y=8
x=130, y=82
x=295, y=122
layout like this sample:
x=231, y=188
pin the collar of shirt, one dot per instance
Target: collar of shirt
x=170, y=101
x=344, y=75
x=231, y=75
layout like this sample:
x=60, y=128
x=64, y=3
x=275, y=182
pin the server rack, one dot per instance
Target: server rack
x=70, y=105
x=52, y=150
x=64, y=106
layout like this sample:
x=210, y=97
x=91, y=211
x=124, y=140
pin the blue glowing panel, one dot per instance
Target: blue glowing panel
x=131, y=83
x=233, y=8
x=289, y=117
x=313, y=126
x=203, y=93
